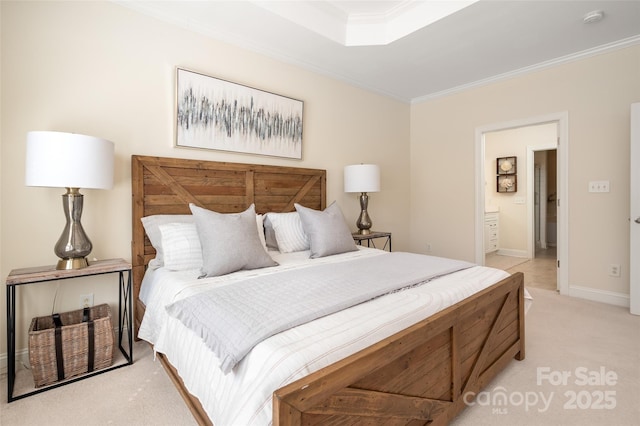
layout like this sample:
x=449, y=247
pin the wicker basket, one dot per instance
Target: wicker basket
x=74, y=345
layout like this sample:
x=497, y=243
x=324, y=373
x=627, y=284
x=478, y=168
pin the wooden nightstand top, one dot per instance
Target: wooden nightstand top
x=373, y=234
x=49, y=272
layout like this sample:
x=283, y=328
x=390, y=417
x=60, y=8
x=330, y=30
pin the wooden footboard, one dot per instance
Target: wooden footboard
x=420, y=375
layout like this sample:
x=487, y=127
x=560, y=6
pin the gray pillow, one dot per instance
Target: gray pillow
x=230, y=242
x=327, y=230
x=269, y=233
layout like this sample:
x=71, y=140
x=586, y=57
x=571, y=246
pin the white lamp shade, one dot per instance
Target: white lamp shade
x=362, y=178
x=68, y=160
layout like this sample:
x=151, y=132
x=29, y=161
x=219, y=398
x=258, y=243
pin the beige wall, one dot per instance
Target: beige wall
x=101, y=69
x=596, y=92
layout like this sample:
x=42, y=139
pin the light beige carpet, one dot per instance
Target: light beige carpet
x=582, y=367
x=138, y=394
x=564, y=336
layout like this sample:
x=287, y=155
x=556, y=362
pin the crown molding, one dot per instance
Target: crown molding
x=605, y=48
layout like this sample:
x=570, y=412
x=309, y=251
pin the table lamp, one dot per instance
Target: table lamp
x=362, y=178
x=71, y=161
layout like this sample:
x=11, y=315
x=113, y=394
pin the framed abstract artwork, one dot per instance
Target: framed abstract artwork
x=217, y=114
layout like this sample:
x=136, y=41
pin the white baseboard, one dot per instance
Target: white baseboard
x=512, y=253
x=22, y=356
x=596, y=295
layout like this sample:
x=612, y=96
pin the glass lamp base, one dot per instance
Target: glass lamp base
x=364, y=221
x=73, y=245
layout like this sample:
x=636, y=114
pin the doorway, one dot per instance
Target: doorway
x=541, y=269
x=545, y=195
x=523, y=217
x=517, y=207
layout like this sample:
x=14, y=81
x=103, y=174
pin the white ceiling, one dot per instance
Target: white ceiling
x=483, y=41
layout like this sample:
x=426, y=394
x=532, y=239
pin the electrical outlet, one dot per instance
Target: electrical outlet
x=86, y=300
x=614, y=270
x=599, y=186
x=428, y=247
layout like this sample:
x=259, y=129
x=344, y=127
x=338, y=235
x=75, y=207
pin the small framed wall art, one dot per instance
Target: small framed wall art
x=507, y=183
x=507, y=165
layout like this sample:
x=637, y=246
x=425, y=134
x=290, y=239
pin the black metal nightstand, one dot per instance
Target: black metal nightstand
x=26, y=276
x=371, y=236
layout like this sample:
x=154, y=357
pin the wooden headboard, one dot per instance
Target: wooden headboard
x=167, y=186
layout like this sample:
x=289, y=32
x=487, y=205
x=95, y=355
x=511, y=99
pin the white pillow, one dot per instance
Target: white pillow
x=181, y=245
x=289, y=232
x=151, y=227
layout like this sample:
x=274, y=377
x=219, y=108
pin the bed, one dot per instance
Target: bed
x=418, y=374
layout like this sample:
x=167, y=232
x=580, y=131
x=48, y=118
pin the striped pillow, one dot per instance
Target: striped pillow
x=152, y=228
x=181, y=245
x=289, y=232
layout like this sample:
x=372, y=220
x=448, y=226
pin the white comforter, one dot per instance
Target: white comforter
x=243, y=397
